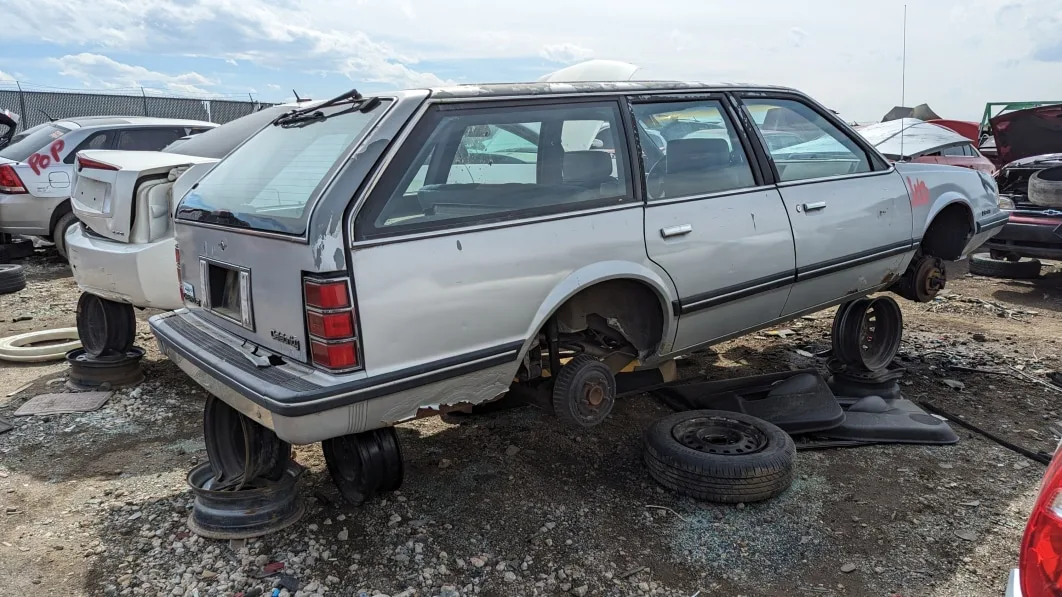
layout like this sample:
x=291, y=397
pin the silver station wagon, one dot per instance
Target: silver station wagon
x=379, y=258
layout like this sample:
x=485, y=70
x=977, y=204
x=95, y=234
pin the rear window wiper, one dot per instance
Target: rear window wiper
x=306, y=116
x=220, y=216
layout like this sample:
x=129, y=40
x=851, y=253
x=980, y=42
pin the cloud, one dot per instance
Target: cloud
x=272, y=86
x=6, y=77
x=566, y=53
x=797, y=36
x=95, y=70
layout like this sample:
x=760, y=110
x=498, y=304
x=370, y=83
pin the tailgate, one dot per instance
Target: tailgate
x=112, y=187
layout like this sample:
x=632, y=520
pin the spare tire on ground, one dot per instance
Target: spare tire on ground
x=12, y=278
x=983, y=265
x=720, y=456
x=1045, y=187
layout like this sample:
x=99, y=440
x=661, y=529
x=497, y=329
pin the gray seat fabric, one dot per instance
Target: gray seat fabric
x=701, y=166
x=590, y=170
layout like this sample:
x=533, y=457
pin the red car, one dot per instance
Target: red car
x=1039, y=571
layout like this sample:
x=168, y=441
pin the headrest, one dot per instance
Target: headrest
x=586, y=166
x=697, y=154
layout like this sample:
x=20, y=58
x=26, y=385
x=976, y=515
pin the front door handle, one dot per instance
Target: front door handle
x=671, y=231
x=814, y=206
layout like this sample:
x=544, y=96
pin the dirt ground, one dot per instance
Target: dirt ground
x=513, y=503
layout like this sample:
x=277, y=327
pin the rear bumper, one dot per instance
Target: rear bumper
x=301, y=404
x=1029, y=237
x=1013, y=584
x=26, y=214
x=141, y=274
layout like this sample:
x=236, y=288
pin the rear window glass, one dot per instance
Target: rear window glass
x=267, y=183
x=219, y=142
x=29, y=142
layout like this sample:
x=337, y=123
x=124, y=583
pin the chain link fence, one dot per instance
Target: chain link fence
x=37, y=107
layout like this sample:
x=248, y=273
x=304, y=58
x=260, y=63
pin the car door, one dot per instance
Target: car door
x=712, y=220
x=850, y=210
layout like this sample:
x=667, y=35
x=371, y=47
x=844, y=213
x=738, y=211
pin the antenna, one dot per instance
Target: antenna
x=46, y=115
x=903, y=79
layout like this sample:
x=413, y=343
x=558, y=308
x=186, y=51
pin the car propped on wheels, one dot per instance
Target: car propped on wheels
x=379, y=258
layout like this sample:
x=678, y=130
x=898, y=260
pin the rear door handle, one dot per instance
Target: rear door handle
x=671, y=231
x=814, y=206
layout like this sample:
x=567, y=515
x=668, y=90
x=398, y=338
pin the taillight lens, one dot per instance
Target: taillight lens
x=330, y=325
x=10, y=183
x=327, y=295
x=83, y=163
x=1040, y=560
x=341, y=355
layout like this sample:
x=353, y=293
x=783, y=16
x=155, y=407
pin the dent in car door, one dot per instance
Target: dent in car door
x=850, y=212
x=722, y=236
x=453, y=259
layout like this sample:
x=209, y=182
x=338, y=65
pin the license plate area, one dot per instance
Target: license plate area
x=227, y=291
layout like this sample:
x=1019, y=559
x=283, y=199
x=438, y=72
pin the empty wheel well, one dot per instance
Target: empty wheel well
x=613, y=313
x=949, y=232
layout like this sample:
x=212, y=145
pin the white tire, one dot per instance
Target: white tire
x=15, y=348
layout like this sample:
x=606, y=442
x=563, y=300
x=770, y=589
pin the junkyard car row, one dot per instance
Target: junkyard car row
x=342, y=267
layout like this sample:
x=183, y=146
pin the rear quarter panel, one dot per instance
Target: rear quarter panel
x=933, y=187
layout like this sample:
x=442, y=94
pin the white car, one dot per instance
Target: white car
x=124, y=251
x=37, y=167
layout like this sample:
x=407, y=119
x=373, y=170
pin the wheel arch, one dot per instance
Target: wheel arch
x=597, y=274
x=949, y=227
x=60, y=210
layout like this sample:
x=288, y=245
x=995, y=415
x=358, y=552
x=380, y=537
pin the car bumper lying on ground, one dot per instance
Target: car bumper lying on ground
x=125, y=272
x=1030, y=236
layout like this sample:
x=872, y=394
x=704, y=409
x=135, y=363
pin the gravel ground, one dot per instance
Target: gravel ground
x=513, y=503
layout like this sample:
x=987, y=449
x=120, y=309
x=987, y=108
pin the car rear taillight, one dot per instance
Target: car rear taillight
x=1040, y=560
x=10, y=183
x=83, y=162
x=332, y=324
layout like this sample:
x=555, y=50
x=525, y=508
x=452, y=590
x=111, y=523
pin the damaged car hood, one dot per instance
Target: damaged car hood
x=1027, y=133
x=909, y=138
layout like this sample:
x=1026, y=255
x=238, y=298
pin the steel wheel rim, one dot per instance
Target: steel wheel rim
x=719, y=435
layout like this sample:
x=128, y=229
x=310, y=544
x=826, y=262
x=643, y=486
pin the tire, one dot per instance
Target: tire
x=17, y=348
x=232, y=439
x=1014, y=270
x=584, y=392
x=12, y=278
x=1045, y=187
x=744, y=472
x=64, y=222
x=364, y=464
x=105, y=326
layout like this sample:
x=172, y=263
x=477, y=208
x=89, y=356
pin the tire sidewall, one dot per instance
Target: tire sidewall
x=660, y=439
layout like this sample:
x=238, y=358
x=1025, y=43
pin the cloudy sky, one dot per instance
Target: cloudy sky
x=960, y=53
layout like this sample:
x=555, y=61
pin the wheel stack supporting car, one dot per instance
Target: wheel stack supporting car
x=107, y=356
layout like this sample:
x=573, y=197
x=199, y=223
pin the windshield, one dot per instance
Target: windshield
x=219, y=142
x=267, y=183
x=30, y=141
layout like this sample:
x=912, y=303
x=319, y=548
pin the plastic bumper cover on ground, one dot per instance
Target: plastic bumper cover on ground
x=142, y=274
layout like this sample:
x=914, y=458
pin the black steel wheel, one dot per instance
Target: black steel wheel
x=867, y=334
x=239, y=449
x=105, y=326
x=365, y=464
x=719, y=456
x=841, y=349
x=584, y=391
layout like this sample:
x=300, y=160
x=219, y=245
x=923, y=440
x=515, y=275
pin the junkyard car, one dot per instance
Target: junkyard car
x=378, y=258
x=123, y=251
x=1038, y=573
x=910, y=139
x=8, y=123
x=1030, y=183
x=36, y=168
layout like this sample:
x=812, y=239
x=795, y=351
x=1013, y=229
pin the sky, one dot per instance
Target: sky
x=846, y=54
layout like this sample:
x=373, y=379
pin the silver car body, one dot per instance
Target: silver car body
x=449, y=316
x=46, y=168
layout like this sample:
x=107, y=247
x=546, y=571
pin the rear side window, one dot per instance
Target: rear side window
x=100, y=140
x=29, y=142
x=480, y=165
x=147, y=139
x=823, y=150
